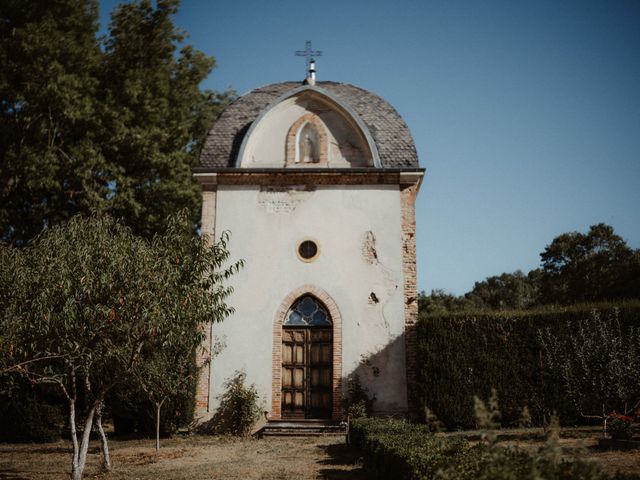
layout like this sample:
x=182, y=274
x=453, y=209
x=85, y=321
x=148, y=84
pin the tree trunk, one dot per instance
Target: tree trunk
x=106, y=460
x=79, y=464
x=158, y=407
x=74, y=438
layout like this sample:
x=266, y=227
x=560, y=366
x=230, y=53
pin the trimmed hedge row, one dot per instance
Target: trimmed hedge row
x=398, y=450
x=465, y=355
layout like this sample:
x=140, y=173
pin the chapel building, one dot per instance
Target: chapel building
x=316, y=182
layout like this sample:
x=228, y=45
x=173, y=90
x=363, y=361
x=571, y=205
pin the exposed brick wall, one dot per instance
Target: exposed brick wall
x=369, y=253
x=407, y=198
x=276, y=367
x=203, y=359
x=208, y=215
x=323, y=147
x=299, y=176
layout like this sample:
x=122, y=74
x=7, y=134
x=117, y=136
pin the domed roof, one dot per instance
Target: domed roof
x=388, y=131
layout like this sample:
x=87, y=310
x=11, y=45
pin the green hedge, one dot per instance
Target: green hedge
x=462, y=355
x=398, y=450
x=29, y=414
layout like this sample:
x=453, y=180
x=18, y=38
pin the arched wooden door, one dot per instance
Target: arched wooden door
x=307, y=360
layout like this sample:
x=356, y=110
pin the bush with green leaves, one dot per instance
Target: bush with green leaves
x=357, y=402
x=240, y=408
x=397, y=450
x=620, y=428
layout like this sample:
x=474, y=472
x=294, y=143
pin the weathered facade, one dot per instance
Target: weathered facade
x=317, y=185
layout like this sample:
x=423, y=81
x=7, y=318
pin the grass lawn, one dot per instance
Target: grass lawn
x=203, y=457
x=190, y=458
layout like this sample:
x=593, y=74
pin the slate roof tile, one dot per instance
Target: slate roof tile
x=389, y=131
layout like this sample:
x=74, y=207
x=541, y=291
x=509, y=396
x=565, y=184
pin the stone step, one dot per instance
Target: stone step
x=299, y=433
x=300, y=428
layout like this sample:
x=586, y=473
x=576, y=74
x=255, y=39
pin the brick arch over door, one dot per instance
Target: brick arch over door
x=276, y=367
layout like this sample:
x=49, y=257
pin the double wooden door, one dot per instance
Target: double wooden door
x=307, y=372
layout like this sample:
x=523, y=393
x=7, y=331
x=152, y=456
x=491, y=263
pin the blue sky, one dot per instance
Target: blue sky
x=526, y=115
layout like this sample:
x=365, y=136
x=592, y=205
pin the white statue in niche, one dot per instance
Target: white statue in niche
x=307, y=145
x=306, y=149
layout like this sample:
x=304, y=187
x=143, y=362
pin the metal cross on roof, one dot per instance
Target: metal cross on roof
x=309, y=53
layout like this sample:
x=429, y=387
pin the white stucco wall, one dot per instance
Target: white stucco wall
x=266, y=225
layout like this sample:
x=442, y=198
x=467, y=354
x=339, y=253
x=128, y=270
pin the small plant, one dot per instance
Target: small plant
x=239, y=408
x=620, y=427
x=357, y=402
x=525, y=418
x=487, y=417
x=432, y=421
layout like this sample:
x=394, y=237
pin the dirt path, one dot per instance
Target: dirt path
x=192, y=458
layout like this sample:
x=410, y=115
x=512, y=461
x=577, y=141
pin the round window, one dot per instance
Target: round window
x=308, y=250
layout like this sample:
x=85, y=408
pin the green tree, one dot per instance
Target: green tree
x=501, y=292
x=504, y=292
x=169, y=370
x=596, y=266
x=170, y=362
x=439, y=302
x=155, y=116
x=50, y=166
x=598, y=365
x=86, y=303
x=86, y=126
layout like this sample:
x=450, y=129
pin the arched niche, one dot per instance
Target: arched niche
x=275, y=139
x=307, y=142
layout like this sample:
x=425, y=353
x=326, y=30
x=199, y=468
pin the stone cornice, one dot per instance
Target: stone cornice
x=209, y=179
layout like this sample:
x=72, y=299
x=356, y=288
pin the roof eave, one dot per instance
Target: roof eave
x=209, y=178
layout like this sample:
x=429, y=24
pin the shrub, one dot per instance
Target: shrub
x=239, y=408
x=357, y=402
x=620, y=427
x=401, y=451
